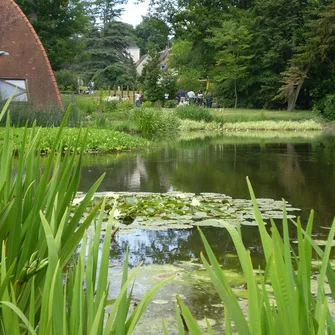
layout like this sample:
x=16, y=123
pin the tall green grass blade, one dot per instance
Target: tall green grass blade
x=192, y=325
x=266, y=239
x=223, y=288
x=23, y=318
x=165, y=330
x=140, y=308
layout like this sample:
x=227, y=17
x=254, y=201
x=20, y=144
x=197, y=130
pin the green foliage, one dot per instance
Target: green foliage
x=58, y=25
x=170, y=104
x=291, y=307
x=150, y=78
x=109, y=106
x=151, y=30
x=326, y=107
x=154, y=123
x=125, y=106
x=66, y=80
x=194, y=113
x=232, y=41
x=98, y=140
x=45, y=288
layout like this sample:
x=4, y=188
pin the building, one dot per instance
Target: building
x=24, y=65
x=134, y=52
x=145, y=59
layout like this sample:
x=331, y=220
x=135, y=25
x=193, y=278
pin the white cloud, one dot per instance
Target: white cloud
x=133, y=12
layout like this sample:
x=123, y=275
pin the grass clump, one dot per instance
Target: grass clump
x=154, y=123
x=192, y=112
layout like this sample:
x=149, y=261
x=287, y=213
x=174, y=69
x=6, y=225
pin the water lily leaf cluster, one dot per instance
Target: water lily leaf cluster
x=185, y=210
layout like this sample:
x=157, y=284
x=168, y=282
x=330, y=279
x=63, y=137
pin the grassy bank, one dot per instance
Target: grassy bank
x=190, y=125
x=97, y=141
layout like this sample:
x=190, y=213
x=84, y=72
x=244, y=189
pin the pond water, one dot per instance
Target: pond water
x=297, y=167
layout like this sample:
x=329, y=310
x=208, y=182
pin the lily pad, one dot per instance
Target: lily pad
x=176, y=210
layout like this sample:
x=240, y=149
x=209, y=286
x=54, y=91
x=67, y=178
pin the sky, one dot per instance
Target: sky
x=133, y=13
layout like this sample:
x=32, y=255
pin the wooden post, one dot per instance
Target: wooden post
x=133, y=94
x=127, y=91
x=109, y=91
x=114, y=89
x=122, y=91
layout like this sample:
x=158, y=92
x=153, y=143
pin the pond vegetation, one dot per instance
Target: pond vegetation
x=184, y=210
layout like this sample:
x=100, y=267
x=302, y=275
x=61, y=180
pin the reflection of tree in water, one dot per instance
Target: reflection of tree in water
x=172, y=246
x=303, y=173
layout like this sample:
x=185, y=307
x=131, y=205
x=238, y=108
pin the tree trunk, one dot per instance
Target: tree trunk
x=235, y=94
x=293, y=97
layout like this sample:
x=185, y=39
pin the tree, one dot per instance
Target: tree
x=59, y=25
x=151, y=75
x=151, y=30
x=317, y=49
x=232, y=42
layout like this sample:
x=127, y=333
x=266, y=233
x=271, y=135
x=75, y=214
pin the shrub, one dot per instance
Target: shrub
x=194, y=113
x=109, y=106
x=327, y=107
x=125, y=106
x=170, y=104
x=147, y=104
x=66, y=80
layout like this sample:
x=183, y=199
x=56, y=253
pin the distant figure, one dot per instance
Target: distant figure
x=182, y=95
x=137, y=99
x=208, y=99
x=191, y=97
x=178, y=98
x=200, y=98
x=166, y=96
x=91, y=87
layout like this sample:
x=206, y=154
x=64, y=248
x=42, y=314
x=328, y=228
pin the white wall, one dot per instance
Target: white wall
x=134, y=53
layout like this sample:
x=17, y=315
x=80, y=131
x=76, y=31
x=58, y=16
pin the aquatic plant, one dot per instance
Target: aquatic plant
x=47, y=286
x=185, y=210
x=291, y=308
x=96, y=141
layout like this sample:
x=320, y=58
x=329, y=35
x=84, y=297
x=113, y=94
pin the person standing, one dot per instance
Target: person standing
x=137, y=99
x=191, y=97
x=182, y=95
x=200, y=98
x=208, y=99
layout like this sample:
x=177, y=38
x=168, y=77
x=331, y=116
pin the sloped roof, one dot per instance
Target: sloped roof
x=26, y=55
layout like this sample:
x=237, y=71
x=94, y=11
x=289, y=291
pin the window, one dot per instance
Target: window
x=8, y=86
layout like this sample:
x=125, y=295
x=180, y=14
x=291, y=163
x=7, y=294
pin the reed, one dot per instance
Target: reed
x=292, y=308
x=47, y=284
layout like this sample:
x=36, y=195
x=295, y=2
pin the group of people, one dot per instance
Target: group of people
x=192, y=98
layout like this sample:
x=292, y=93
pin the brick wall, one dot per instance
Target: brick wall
x=27, y=58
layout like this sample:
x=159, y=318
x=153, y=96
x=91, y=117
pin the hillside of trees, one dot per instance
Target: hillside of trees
x=256, y=53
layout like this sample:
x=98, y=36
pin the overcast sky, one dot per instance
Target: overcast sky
x=133, y=13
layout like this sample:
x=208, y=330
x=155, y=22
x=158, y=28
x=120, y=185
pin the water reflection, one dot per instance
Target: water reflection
x=299, y=170
x=302, y=172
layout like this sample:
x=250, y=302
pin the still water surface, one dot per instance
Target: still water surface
x=300, y=169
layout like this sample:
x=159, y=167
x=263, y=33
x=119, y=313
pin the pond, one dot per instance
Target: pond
x=297, y=167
